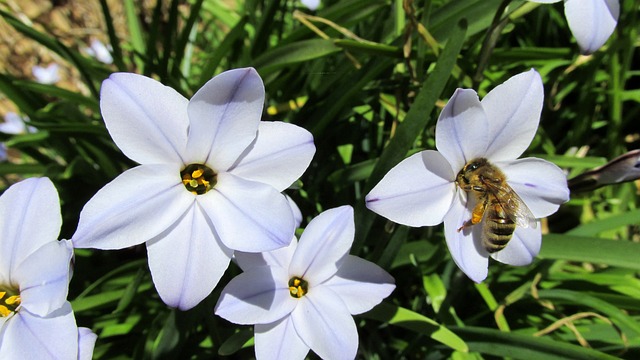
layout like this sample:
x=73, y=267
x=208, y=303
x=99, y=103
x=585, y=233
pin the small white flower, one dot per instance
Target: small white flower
x=99, y=51
x=36, y=320
x=590, y=21
x=46, y=75
x=421, y=190
x=210, y=180
x=303, y=296
x=15, y=124
x=311, y=4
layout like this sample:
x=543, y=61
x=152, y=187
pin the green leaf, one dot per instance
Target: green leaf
x=235, y=342
x=574, y=298
x=590, y=249
x=519, y=346
x=297, y=52
x=399, y=316
x=613, y=222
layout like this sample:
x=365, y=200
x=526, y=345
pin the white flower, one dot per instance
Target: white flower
x=99, y=51
x=590, y=21
x=209, y=183
x=421, y=190
x=302, y=297
x=36, y=320
x=15, y=124
x=311, y=4
x=46, y=75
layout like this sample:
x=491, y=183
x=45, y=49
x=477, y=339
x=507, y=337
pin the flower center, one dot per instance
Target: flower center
x=9, y=301
x=198, y=178
x=298, y=287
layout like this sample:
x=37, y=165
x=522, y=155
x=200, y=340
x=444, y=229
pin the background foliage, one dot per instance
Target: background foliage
x=367, y=78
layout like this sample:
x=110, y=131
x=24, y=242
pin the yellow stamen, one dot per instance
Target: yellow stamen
x=197, y=173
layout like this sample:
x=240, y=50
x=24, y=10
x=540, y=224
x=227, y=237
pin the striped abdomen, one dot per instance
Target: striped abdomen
x=497, y=227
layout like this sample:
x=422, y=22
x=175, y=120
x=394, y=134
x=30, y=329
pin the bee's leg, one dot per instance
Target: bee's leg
x=476, y=215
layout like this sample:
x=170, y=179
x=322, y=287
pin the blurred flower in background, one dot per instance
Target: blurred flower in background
x=99, y=51
x=14, y=124
x=46, y=75
x=590, y=21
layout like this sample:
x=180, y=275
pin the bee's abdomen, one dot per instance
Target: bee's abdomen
x=497, y=231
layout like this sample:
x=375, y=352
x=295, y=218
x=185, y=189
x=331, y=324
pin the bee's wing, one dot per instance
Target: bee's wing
x=513, y=206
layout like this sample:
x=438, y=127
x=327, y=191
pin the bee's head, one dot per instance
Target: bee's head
x=470, y=168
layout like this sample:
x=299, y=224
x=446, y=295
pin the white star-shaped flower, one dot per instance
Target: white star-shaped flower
x=422, y=190
x=590, y=21
x=210, y=180
x=36, y=320
x=303, y=296
x=46, y=75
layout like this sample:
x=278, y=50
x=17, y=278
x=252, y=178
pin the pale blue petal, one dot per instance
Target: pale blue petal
x=279, y=340
x=522, y=248
x=279, y=257
x=513, y=109
x=279, y=155
x=324, y=323
x=44, y=278
x=248, y=216
x=138, y=205
x=28, y=336
x=416, y=192
x=543, y=193
x=461, y=130
x=224, y=116
x=323, y=245
x=466, y=246
x=258, y=296
x=297, y=214
x=592, y=21
x=86, y=343
x=29, y=218
x=187, y=260
x=361, y=284
x=147, y=120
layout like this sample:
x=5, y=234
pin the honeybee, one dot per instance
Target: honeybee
x=498, y=207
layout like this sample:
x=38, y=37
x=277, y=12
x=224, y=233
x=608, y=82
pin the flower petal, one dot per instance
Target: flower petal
x=86, y=343
x=29, y=218
x=323, y=244
x=297, y=214
x=466, y=246
x=44, y=278
x=543, y=192
x=224, y=116
x=323, y=322
x=279, y=155
x=279, y=340
x=138, y=205
x=416, y=192
x=147, y=120
x=592, y=21
x=188, y=260
x=257, y=296
x=248, y=216
x=513, y=108
x=279, y=257
x=522, y=248
x=461, y=130
x=361, y=284
x=28, y=336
